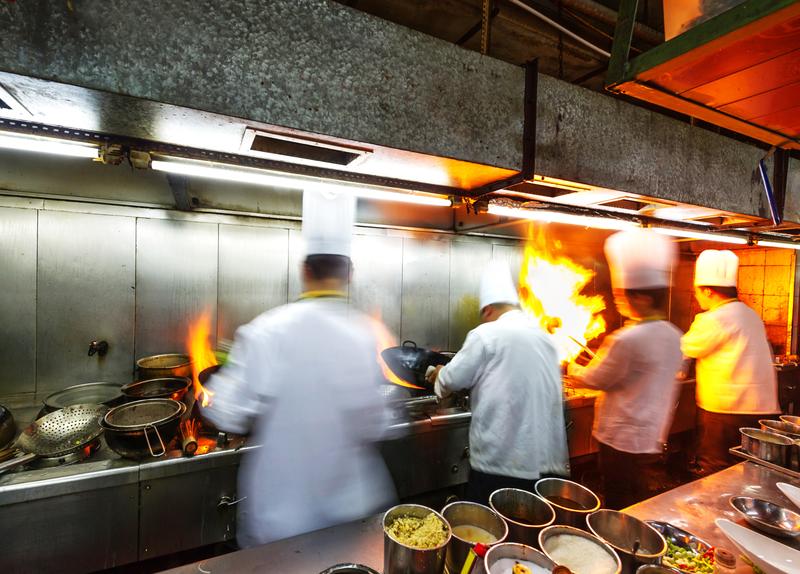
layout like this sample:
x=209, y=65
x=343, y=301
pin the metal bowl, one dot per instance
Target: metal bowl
x=768, y=446
x=401, y=559
x=462, y=513
x=791, y=419
x=516, y=552
x=656, y=569
x=349, y=569
x=102, y=393
x=572, y=502
x=636, y=542
x=546, y=535
x=680, y=537
x=167, y=365
x=781, y=427
x=524, y=512
x=768, y=517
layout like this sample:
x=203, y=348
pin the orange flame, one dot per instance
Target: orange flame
x=202, y=355
x=550, y=290
x=385, y=340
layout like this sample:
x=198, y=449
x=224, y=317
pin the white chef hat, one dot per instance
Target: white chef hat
x=640, y=259
x=497, y=286
x=716, y=268
x=327, y=221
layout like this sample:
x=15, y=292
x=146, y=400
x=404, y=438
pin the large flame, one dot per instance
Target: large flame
x=385, y=339
x=199, y=348
x=550, y=290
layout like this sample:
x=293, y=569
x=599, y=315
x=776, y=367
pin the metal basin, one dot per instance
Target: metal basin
x=167, y=365
x=572, y=502
x=656, y=569
x=524, y=512
x=781, y=427
x=101, y=393
x=401, y=559
x=680, y=537
x=768, y=446
x=548, y=536
x=636, y=542
x=768, y=517
x=515, y=551
x=791, y=419
x=174, y=388
x=470, y=514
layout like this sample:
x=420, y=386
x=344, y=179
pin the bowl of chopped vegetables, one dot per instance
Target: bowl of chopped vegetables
x=685, y=552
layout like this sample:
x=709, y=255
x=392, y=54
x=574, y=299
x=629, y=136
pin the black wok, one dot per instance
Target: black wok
x=410, y=362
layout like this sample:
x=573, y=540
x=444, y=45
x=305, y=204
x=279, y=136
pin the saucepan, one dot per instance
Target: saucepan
x=142, y=428
x=410, y=362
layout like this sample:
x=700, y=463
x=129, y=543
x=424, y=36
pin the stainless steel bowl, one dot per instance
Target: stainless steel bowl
x=680, y=537
x=546, y=537
x=516, y=552
x=401, y=559
x=781, y=427
x=636, y=542
x=349, y=569
x=462, y=513
x=167, y=365
x=572, y=502
x=768, y=446
x=791, y=419
x=656, y=569
x=768, y=517
x=524, y=512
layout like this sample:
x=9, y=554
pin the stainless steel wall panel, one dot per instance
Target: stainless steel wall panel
x=467, y=262
x=426, y=301
x=512, y=253
x=296, y=253
x=176, y=281
x=378, y=278
x=18, y=300
x=86, y=267
x=253, y=274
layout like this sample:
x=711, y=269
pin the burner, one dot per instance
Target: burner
x=72, y=458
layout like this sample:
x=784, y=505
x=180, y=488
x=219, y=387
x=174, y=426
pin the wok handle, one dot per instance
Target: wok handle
x=161, y=442
x=409, y=343
x=16, y=461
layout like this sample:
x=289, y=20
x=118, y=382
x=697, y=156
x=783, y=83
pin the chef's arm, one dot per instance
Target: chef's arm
x=606, y=369
x=461, y=373
x=703, y=337
x=235, y=402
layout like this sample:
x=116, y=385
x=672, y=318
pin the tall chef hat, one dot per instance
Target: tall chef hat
x=716, y=268
x=497, y=286
x=640, y=259
x=327, y=221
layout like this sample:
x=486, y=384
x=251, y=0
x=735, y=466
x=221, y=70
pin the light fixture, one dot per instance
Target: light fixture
x=689, y=234
x=550, y=216
x=47, y=145
x=260, y=177
x=779, y=244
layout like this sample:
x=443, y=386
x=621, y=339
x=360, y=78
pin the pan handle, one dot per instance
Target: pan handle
x=16, y=461
x=149, y=446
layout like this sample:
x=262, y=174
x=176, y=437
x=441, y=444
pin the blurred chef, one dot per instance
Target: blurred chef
x=636, y=366
x=510, y=367
x=736, y=382
x=303, y=379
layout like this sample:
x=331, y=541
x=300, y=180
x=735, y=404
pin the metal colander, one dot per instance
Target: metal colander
x=63, y=431
x=141, y=414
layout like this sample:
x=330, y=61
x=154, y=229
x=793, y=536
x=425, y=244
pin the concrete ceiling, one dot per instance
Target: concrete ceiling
x=518, y=36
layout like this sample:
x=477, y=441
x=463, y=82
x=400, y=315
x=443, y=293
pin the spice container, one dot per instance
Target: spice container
x=724, y=561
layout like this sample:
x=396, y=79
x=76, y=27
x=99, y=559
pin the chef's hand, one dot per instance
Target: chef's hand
x=432, y=373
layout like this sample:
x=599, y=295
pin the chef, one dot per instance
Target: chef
x=510, y=367
x=636, y=367
x=736, y=382
x=303, y=380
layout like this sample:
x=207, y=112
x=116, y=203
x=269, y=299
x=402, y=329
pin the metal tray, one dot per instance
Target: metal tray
x=737, y=451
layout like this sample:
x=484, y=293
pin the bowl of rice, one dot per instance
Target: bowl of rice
x=579, y=551
x=415, y=540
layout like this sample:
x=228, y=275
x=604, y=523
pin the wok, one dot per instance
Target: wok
x=409, y=362
x=142, y=428
x=58, y=434
x=163, y=388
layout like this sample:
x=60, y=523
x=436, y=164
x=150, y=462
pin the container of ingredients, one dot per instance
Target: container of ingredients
x=635, y=542
x=501, y=559
x=471, y=523
x=415, y=540
x=768, y=446
x=578, y=550
x=524, y=512
x=571, y=501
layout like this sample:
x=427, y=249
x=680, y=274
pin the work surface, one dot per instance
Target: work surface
x=693, y=507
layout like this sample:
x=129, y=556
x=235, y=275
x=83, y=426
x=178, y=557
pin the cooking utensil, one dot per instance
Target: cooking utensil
x=680, y=537
x=409, y=362
x=572, y=502
x=143, y=428
x=781, y=427
x=166, y=365
x=767, y=517
x=401, y=559
x=164, y=388
x=524, y=512
x=656, y=569
x=100, y=393
x=58, y=434
x=791, y=419
x=586, y=349
x=636, y=542
x=516, y=552
x=349, y=569
x=768, y=446
x=8, y=428
x=462, y=513
x=547, y=535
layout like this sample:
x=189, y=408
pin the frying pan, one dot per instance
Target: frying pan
x=410, y=362
x=58, y=434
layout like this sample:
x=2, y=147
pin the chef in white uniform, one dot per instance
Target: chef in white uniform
x=511, y=369
x=303, y=380
x=736, y=382
x=636, y=366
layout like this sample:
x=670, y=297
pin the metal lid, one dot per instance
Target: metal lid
x=86, y=393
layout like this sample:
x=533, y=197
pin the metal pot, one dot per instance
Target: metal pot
x=547, y=535
x=524, y=512
x=167, y=365
x=768, y=446
x=101, y=393
x=572, y=502
x=636, y=542
x=410, y=362
x=401, y=559
x=781, y=427
x=470, y=514
x=142, y=428
x=174, y=388
x=516, y=552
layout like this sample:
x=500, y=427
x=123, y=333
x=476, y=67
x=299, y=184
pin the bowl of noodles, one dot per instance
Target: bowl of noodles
x=415, y=540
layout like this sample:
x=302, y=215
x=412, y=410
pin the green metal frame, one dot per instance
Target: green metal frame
x=622, y=70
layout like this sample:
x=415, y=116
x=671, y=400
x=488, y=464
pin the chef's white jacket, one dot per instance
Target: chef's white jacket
x=734, y=361
x=636, y=368
x=510, y=368
x=305, y=378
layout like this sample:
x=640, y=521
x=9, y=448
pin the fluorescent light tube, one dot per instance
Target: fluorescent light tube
x=48, y=145
x=259, y=177
x=548, y=216
x=779, y=244
x=718, y=237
